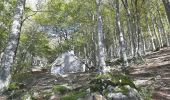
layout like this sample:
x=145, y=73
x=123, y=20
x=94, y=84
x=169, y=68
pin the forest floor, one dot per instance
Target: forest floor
x=155, y=74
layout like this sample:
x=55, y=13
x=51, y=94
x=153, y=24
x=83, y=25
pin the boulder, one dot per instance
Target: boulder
x=39, y=63
x=132, y=94
x=67, y=63
x=93, y=96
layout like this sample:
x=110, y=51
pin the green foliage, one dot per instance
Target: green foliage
x=74, y=95
x=32, y=43
x=60, y=89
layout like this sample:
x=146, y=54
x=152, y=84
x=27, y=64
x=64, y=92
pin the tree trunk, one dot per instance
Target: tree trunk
x=167, y=8
x=121, y=39
x=155, y=32
x=162, y=27
x=143, y=42
x=129, y=25
x=150, y=34
x=101, y=53
x=11, y=48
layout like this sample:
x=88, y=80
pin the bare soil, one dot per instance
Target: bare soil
x=155, y=73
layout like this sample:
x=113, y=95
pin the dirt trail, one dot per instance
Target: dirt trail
x=155, y=73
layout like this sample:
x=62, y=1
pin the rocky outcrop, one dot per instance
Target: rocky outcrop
x=39, y=63
x=67, y=63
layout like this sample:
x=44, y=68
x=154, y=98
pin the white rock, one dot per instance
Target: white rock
x=67, y=63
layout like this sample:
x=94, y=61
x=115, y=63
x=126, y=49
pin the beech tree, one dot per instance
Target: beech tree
x=100, y=44
x=11, y=48
x=167, y=8
x=121, y=38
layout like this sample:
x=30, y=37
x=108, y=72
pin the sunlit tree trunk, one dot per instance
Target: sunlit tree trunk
x=143, y=42
x=100, y=36
x=159, y=32
x=11, y=48
x=162, y=28
x=155, y=31
x=129, y=25
x=121, y=39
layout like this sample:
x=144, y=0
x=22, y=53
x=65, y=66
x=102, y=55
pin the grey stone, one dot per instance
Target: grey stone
x=39, y=63
x=93, y=96
x=132, y=94
x=67, y=63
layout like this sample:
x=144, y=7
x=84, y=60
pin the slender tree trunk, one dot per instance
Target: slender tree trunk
x=167, y=8
x=129, y=25
x=11, y=48
x=155, y=31
x=121, y=39
x=159, y=32
x=150, y=34
x=162, y=27
x=100, y=35
x=143, y=42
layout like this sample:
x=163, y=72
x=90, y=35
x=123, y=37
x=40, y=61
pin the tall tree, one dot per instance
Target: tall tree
x=101, y=51
x=167, y=8
x=121, y=38
x=11, y=48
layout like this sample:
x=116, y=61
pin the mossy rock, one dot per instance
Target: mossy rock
x=60, y=89
x=121, y=89
x=74, y=95
x=15, y=86
x=146, y=92
x=101, y=82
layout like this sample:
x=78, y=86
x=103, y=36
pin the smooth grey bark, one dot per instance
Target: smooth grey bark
x=129, y=25
x=150, y=34
x=143, y=42
x=121, y=39
x=100, y=36
x=155, y=31
x=162, y=28
x=167, y=8
x=11, y=48
x=159, y=32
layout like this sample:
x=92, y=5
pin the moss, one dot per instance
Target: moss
x=121, y=89
x=14, y=86
x=60, y=89
x=74, y=95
